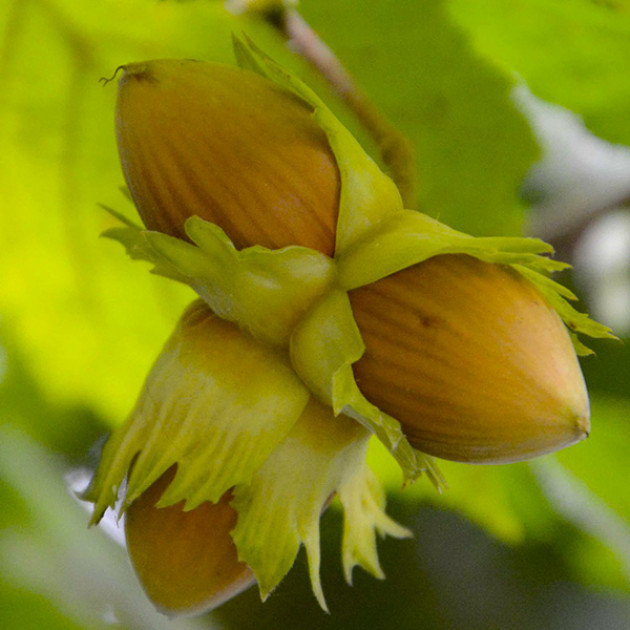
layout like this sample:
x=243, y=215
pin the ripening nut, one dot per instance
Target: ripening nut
x=186, y=560
x=472, y=360
x=182, y=155
x=229, y=462
x=328, y=314
x=468, y=356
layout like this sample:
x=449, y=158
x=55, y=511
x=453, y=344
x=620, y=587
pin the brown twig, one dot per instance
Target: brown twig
x=396, y=150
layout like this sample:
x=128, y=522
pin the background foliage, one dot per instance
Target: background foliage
x=544, y=545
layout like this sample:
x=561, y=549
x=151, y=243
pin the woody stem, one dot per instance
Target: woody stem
x=396, y=150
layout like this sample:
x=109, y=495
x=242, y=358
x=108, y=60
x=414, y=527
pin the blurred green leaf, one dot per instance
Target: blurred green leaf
x=601, y=462
x=608, y=372
x=27, y=610
x=473, y=147
x=80, y=324
x=52, y=566
x=570, y=53
x=89, y=323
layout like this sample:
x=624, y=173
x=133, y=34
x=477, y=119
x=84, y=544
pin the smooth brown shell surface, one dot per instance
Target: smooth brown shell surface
x=198, y=138
x=186, y=561
x=472, y=361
